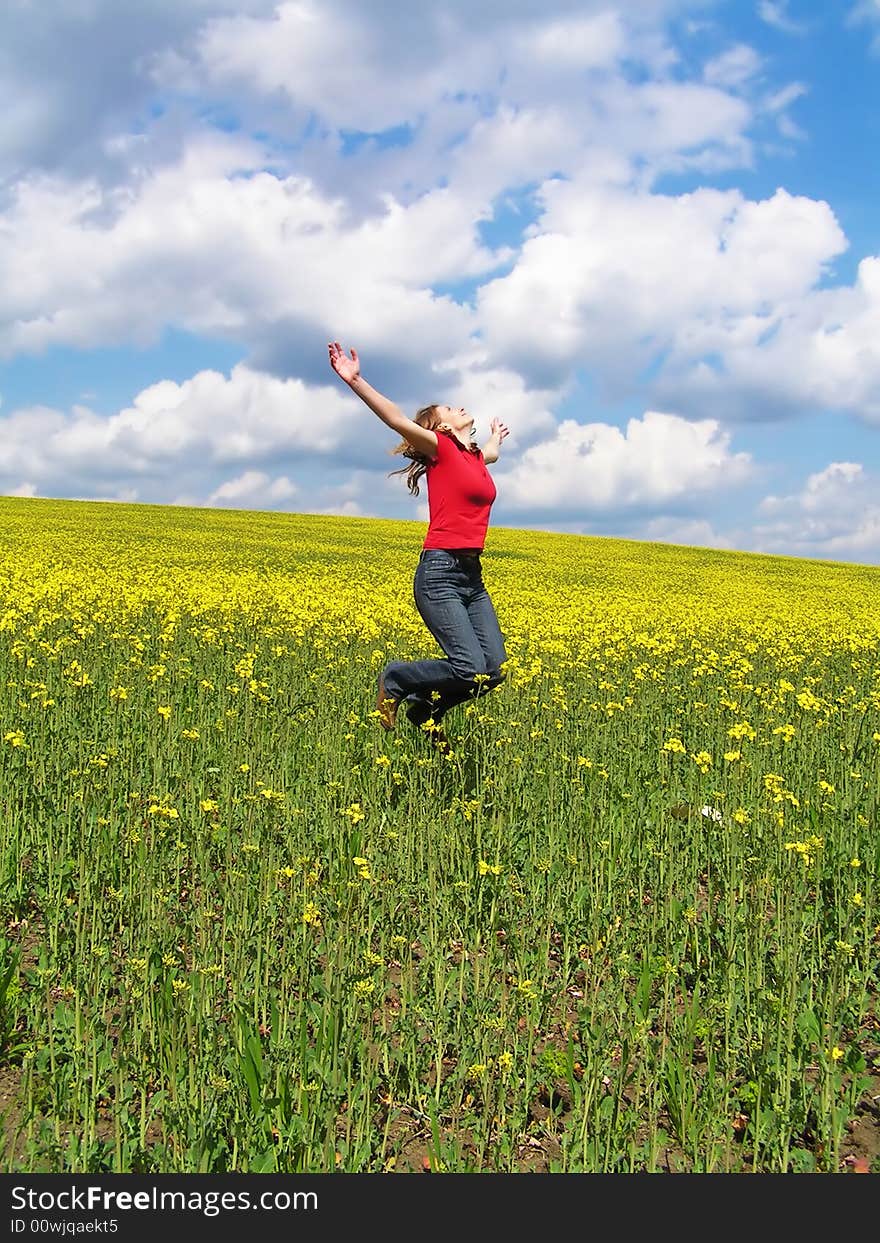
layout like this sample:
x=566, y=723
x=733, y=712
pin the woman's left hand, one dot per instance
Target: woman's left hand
x=499, y=429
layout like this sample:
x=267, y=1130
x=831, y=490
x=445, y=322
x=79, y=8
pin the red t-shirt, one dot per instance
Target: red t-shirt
x=460, y=495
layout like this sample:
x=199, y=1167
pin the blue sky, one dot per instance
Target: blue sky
x=644, y=234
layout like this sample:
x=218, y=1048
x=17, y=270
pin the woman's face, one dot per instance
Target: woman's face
x=456, y=417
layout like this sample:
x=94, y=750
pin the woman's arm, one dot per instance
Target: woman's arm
x=492, y=447
x=349, y=370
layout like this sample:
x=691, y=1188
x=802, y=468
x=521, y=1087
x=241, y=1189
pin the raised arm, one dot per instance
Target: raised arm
x=349, y=370
x=492, y=447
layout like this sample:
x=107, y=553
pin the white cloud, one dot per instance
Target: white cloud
x=488, y=393
x=612, y=279
x=836, y=515
x=692, y=533
x=734, y=67
x=776, y=105
x=607, y=69
x=673, y=124
x=125, y=210
x=580, y=42
x=25, y=488
x=345, y=509
x=660, y=460
x=354, y=496
x=779, y=100
x=75, y=73
x=103, y=90
x=253, y=489
x=189, y=432
x=817, y=352
x=336, y=60
x=274, y=264
x=212, y=242
x=775, y=13
x=611, y=132
x=264, y=260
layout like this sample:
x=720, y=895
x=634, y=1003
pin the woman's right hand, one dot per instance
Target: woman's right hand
x=348, y=369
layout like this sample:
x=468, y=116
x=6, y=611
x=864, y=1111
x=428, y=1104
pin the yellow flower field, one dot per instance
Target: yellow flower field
x=629, y=923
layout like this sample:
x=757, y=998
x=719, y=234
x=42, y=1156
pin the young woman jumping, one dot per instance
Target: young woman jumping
x=449, y=591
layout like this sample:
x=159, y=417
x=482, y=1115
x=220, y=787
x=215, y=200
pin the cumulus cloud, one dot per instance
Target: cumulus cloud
x=817, y=352
x=621, y=280
x=96, y=89
x=76, y=73
x=217, y=243
x=613, y=278
x=185, y=435
x=253, y=489
x=436, y=52
x=606, y=71
x=659, y=461
x=271, y=263
x=266, y=261
x=134, y=197
x=835, y=515
x=691, y=533
x=489, y=392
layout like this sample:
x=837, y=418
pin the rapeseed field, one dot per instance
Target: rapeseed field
x=629, y=923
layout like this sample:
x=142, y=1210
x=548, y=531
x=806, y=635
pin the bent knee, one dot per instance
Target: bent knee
x=466, y=673
x=484, y=678
x=484, y=682
x=469, y=667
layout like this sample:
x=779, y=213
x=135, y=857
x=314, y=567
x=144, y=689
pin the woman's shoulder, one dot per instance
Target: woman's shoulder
x=448, y=442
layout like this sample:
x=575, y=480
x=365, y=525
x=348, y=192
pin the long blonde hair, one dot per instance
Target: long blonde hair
x=428, y=418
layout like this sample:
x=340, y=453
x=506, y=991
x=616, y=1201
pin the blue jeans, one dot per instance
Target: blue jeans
x=455, y=606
